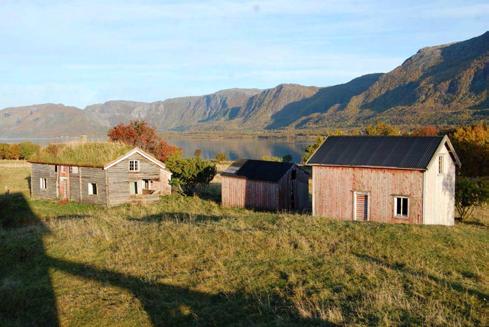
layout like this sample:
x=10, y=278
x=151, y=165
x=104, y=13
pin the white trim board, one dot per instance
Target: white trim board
x=142, y=153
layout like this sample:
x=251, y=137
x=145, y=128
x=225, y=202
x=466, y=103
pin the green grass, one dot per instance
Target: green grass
x=188, y=261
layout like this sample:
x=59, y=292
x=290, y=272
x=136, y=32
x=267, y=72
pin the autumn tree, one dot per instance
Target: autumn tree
x=141, y=134
x=220, y=157
x=428, y=130
x=311, y=148
x=381, y=128
x=472, y=146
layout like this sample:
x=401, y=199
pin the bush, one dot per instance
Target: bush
x=381, y=128
x=190, y=173
x=311, y=148
x=469, y=194
x=27, y=149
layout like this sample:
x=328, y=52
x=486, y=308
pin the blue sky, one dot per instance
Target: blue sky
x=84, y=52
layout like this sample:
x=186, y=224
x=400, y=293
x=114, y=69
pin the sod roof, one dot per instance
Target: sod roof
x=81, y=154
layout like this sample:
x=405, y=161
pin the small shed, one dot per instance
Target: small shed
x=392, y=179
x=98, y=173
x=265, y=185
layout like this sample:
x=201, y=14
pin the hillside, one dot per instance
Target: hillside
x=188, y=261
x=445, y=84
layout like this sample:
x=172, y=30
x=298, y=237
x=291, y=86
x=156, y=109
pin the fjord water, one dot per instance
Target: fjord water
x=233, y=147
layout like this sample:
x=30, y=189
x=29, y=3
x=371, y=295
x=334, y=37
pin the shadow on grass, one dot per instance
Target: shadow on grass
x=27, y=297
x=401, y=267
x=179, y=217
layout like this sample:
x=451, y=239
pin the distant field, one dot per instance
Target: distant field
x=188, y=261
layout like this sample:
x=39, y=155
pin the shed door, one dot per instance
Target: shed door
x=361, y=206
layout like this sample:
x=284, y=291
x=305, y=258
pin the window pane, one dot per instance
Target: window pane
x=94, y=188
x=398, y=206
x=405, y=207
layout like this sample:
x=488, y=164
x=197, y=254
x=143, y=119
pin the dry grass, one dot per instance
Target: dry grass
x=188, y=261
x=88, y=154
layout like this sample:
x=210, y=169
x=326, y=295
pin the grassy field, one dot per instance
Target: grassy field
x=188, y=261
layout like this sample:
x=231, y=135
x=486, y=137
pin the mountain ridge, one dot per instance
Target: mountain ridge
x=443, y=84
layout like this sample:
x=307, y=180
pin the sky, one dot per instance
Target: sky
x=84, y=52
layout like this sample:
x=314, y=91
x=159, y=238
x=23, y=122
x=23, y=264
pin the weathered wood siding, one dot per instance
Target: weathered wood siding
x=43, y=171
x=299, y=187
x=75, y=187
x=334, y=187
x=439, y=206
x=119, y=177
x=97, y=176
x=242, y=193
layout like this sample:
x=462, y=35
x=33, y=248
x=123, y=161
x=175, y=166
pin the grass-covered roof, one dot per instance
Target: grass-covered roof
x=81, y=154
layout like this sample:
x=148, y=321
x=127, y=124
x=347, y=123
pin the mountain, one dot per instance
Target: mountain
x=445, y=84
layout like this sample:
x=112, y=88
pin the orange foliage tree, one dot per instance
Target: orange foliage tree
x=428, y=130
x=141, y=134
x=472, y=146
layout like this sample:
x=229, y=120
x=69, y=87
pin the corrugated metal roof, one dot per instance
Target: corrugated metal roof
x=268, y=171
x=408, y=152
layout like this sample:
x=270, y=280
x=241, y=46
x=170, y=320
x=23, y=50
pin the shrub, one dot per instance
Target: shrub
x=311, y=148
x=27, y=149
x=271, y=158
x=472, y=146
x=469, y=194
x=190, y=173
x=381, y=128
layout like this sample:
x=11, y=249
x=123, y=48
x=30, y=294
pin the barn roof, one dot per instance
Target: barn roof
x=406, y=152
x=260, y=170
x=96, y=154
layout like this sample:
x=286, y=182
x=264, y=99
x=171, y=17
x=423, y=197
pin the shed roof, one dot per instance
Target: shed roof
x=260, y=170
x=406, y=152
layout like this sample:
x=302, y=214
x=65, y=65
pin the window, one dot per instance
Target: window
x=73, y=170
x=92, y=189
x=43, y=183
x=133, y=165
x=146, y=184
x=55, y=168
x=401, y=206
x=441, y=165
x=134, y=188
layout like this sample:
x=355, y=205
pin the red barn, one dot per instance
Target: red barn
x=385, y=179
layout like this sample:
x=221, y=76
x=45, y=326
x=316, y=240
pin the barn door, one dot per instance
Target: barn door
x=361, y=206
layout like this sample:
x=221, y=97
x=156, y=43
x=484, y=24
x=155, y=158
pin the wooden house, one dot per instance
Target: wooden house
x=265, y=185
x=385, y=179
x=101, y=177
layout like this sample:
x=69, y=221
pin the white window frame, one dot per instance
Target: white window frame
x=91, y=189
x=138, y=187
x=135, y=164
x=355, y=193
x=74, y=170
x=43, y=183
x=401, y=216
x=441, y=164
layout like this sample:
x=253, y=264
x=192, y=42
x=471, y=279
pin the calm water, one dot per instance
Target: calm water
x=234, y=148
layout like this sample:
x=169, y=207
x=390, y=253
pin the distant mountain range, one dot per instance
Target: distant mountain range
x=445, y=84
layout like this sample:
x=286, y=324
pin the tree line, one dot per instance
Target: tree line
x=19, y=151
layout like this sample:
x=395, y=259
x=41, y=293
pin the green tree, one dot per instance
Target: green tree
x=470, y=193
x=27, y=149
x=472, y=146
x=190, y=173
x=381, y=128
x=311, y=148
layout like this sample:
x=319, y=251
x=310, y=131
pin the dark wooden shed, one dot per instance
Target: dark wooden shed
x=265, y=185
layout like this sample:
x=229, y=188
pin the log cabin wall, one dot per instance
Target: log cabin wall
x=44, y=171
x=75, y=185
x=119, y=177
x=333, y=189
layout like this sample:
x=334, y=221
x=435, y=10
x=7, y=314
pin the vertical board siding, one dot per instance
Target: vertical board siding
x=440, y=191
x=74, y=181
x=43, y=171
x=243, y=193
x=334, y=189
